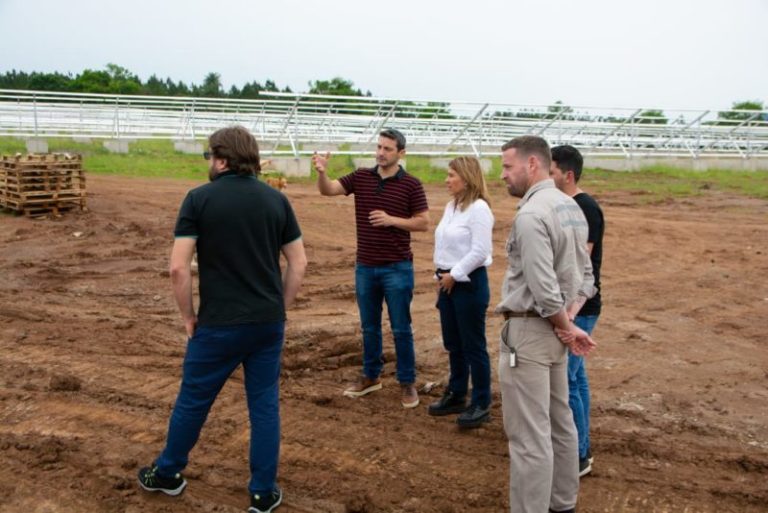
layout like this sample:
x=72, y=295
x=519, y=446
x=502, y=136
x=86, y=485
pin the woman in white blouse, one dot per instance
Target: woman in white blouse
x=462, y=254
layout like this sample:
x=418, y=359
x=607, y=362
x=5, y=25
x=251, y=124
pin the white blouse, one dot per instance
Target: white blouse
x=463, y=239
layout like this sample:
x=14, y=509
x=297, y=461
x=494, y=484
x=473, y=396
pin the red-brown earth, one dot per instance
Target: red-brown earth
x=91, y=346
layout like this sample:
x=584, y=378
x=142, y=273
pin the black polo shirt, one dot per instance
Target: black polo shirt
x=240, y=224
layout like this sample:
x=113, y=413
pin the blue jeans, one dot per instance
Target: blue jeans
x=578, y=387
x=462, y=320
x=213, y=353
x=392, y=283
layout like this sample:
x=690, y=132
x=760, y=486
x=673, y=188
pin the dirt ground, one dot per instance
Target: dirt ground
x=91, y=348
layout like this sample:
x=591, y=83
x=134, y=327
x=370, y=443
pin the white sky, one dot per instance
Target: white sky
x=668, y=54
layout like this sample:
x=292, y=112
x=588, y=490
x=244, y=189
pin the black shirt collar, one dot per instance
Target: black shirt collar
x=400, y=173
x=228, y=172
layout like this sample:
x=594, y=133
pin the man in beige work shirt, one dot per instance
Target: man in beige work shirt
x=548, y=270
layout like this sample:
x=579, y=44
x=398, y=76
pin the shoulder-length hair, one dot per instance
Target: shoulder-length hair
x=468, y=169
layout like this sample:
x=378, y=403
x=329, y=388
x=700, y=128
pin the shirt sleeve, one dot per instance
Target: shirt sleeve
x=186, y=222
x=348, y=182
x=537, y=263
x=418, y=199
x=291, y=230
x=594, y=221
x=481, y=232
x=587, y=289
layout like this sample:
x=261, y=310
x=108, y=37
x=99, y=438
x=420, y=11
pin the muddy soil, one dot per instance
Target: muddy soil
x=91, y=346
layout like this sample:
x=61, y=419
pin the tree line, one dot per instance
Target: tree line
x=114, y=79
x=751, y=111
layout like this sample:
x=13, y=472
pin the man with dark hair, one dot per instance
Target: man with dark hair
x=548, y=269
x=239, y=227
x=565, y=170
x=389, y=205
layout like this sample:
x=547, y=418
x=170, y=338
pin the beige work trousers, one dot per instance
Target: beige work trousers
x=543, y=445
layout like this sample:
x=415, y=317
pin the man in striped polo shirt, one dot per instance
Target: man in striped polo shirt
x=389, y=205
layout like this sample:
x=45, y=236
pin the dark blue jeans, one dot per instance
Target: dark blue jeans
x=462, y=319
x=392, y=283
x=212, y=355
x=578, y=387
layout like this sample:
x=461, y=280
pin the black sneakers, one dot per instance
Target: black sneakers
x=449, y=403
x=151, y=481
x=474, y=417
x=266, y=503
x=585, y=466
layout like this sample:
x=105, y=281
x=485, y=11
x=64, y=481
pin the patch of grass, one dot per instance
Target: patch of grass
x=152, y=158
x=662, y=182
x=146, y=158
x=12, y=146
x=157, y=158
x=421, y=168
x=179, y=166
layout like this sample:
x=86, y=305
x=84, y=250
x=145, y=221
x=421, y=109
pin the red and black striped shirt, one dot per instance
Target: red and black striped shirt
x=401, y=195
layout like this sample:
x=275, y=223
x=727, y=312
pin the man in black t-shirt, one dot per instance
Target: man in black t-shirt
x=239, y=226
x=567, y=164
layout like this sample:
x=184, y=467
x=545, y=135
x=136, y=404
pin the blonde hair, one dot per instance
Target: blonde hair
x=468, y=169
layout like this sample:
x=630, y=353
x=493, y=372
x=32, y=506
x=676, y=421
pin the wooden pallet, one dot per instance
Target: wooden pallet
x=41, y=184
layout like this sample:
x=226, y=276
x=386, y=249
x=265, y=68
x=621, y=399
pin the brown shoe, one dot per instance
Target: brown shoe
x=363, y=386
x=408, y=395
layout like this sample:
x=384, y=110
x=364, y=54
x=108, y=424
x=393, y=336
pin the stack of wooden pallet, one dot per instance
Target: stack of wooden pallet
x=42, y=184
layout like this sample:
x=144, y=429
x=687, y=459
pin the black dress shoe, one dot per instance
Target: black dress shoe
x=474, y=417
x=449, y=403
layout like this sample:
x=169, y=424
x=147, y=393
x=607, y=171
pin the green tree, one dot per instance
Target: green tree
x=154, y=86
x=730, y=117
x=91, y=81
x=14, y=80
x=179, y=89
x=122, y=81
x=234, y=92
x=652, y=117
x=559, y=110
x=251, y=90
x=336, y=86
x=211, y=86
x=49, y=82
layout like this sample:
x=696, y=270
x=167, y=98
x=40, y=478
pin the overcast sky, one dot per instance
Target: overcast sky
x=667, y=54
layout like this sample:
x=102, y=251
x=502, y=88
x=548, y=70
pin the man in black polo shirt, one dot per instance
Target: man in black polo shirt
x=567, y=164
x=389, y=205
x=239, y=227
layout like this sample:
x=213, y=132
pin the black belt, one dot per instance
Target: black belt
x=509, y=315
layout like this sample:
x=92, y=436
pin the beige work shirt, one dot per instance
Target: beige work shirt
x=548, y=261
